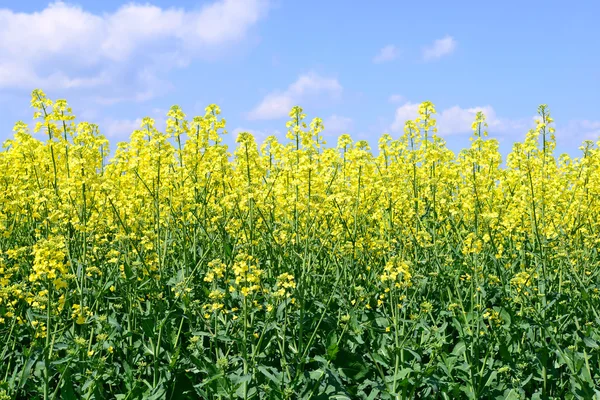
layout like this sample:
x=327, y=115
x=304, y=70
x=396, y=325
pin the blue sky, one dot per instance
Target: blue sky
x=360, y=66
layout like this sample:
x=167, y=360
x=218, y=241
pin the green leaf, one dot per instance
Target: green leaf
x=159, y=392
x=273, y=375
x=316, y=374
x=589, y=342
x=128, y=271
x=67, y=392
x=27, y=370
x=459, y=348
x=379, y=359
x=332, y=346
x=511, y=394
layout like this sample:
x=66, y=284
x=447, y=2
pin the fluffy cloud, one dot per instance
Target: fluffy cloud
x=86, y=45
x=577, y=131
x=259, y=135
x=439, y=48
x=336, y=125
x=456, y=120
x=279, y=103
x=388, y=53
x=404, y=113
x=150, y=86
x=13, y=74
x=119, y=128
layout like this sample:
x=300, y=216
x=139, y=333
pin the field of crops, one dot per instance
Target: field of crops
x=296, y=270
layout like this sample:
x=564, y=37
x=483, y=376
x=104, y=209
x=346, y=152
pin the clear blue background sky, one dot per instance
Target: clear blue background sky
x=360, y=66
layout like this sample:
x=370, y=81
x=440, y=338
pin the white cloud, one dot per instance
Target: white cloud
x=396, y=98
x=439, y=48
x=336, y=125
x=274, y=105
x=279, y=103
x=573, y=132
x=388, y=53
x=578, y=131
x=259, y=135
x=119, y=128
x=150, y=86
x=65, y=36
x=590, y=129
x=15, y=75
x=456, y=120
x=404, y=113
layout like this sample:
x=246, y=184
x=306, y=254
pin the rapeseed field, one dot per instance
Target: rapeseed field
x=177, y=268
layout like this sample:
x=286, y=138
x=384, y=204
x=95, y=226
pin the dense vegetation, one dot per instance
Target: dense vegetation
x=178, y=270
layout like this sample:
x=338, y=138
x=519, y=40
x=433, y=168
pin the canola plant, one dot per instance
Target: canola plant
x=295, y=270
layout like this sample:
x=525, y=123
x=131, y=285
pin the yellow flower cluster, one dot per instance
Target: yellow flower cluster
x=247, y=274
x=49, y=262
x=216, y=270
x=80, y=314
x=493, y=317
x=396, y=272
x=216, y=297
x=284, y=286
x=524, y=279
